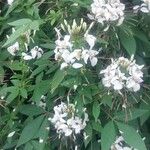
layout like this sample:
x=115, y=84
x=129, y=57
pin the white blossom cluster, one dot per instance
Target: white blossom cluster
x=68, y=54
x=144, y=7
x=105, y=11
x=35, y=52
x=119, y=144
x=66, y=121
x=123, y=73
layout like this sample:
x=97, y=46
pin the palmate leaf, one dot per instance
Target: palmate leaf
x=108, y=136
x=131, y=136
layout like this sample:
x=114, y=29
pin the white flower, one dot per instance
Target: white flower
x=35, y=52
x=63, y=65
x=119, y=144
x=66, y=51
x=91, y=55
x=41, y=140
x=10, y=2
x=2, y=97
x=13, y=48
x=90, y=40
x=11, y=134
x=77, y=65
x=132, y=85
x=123, y=73
x=144, y=7
x=64, y=44
x=77, y=53
x=65, y=120
x=107, y=11
x=26, y=56
x=117, y=85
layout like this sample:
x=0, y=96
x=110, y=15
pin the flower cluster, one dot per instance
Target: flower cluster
x=72, y=54
x=119, y=144
x=144, y=7
x=107, y=11
x=35, y=52
x=123, y=73
x=66, y=121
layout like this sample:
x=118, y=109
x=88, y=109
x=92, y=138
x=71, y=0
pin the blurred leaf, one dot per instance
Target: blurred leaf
x=14, y=92
x=131, y=136
x=23, y=93
x=30, y=130
x=13, y=37
x=96, y=110
x=128, y=42
x=108, y=136
x=30, y=110
x=40, y=89
x=131, y=115
x=21, y=22
x=57, y=79
x=2, y=73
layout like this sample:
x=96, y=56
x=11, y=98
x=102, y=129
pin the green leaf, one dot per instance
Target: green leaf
x=43, y=133
x=13, y=37
x=30, y=110
x=131, y=115
x=38, y=70
x=21, y=22
x=96, y=126
x=30, y=130
x=57, y=79
x=2, y=73
x=146, y=115
x=128, y=42
x=131, y=136
x=141, y=36
x=108, y=136
x=96, y=110
x=40, y=89
x=14, y=92
x=28, y=146
x=88, y=131
x=35, y=25
x=107, y=100
x=17, y=66
x=23, y=93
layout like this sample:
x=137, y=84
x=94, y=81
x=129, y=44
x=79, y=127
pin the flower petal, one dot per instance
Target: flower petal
x=77, y=65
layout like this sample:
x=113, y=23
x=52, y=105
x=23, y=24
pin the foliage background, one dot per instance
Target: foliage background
x=23, y=83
